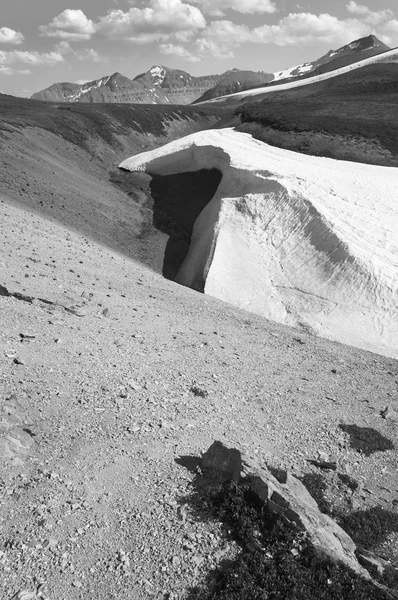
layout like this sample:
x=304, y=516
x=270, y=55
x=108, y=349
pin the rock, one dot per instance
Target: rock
x=323, y=464
x=24, y=595
x=4, y=291
x=349, y=481
x=389, y=413
x=134, y=385
x=374, y=564
x=228, y=461
x=18, y=361
x=287, y=496
x=198, y=391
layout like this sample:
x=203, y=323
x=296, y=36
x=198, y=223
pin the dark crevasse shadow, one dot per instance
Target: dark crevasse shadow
x=366, y=439
x=178, y=201
x=170, y=204
x=274, y=561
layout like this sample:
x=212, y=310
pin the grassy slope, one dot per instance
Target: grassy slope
x=361, y=105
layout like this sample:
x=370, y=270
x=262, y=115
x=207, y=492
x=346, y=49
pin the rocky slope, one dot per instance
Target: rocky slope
x=114, y=380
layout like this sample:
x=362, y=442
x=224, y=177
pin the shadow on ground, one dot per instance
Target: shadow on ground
x=366, y=439
x=274, y=561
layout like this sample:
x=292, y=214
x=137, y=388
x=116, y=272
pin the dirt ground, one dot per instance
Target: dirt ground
x=111, y=373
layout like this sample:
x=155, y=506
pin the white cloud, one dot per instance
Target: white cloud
x=369, y=16
x=179, y=51
x=249, y=7
x=304, y=28
x=64, y=48
x=6, y=70
x=221, y=38
x=71, y=24
x=162, y=20
x=9, y=36
x=30, y=58
x=90, y=54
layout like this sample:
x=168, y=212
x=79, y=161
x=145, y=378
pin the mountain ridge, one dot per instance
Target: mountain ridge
x=163, y=85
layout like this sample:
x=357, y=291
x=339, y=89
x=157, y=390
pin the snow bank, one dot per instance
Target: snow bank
x=302, y=240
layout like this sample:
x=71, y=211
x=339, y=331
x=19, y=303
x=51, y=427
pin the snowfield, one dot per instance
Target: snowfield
x=306, y=241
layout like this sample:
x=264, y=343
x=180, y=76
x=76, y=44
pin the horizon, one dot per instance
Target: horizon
x=59, y=44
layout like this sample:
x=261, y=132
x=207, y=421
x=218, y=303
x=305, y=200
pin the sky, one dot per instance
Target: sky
x=82, y=40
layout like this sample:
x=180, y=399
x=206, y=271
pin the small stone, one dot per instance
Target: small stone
x=389, y=413
x=349, y=481
x=18, y=361
x=134, y=385
x=323, y=464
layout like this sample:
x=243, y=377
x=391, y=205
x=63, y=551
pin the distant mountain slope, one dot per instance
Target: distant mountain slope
x=334, y=59
x=159, y=85
x=260, y=92
x=236, y=81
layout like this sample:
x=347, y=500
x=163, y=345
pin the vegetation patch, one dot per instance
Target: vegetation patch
x=277, y=561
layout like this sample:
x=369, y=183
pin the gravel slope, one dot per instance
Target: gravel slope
x=110, y=373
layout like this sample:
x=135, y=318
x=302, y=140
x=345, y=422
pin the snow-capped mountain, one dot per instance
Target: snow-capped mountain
x=334, y=59
x=159, y=85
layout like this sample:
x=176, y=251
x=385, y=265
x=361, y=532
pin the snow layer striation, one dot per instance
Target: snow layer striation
x=307, y=241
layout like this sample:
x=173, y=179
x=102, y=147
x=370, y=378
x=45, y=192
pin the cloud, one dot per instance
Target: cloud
x=71, y=24
x=369, y=16
x=30, y=58
x=6, y=70
x=248, y=7
x=64, y=48
x=162, y=20
x=9, y=36
x=306, y=28
x=179, y=51
x=221, y=38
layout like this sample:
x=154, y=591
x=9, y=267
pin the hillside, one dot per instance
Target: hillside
x=235, y=81
x=350, y=117
x=114, y=379
x=334, y=59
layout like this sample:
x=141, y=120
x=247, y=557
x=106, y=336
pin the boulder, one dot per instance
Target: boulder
x=287, y=496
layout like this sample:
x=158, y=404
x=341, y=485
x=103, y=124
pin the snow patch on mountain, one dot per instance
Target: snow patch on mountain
x=307, y=241
x=158, y=74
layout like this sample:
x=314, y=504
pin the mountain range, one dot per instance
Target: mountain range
x=162, y=85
